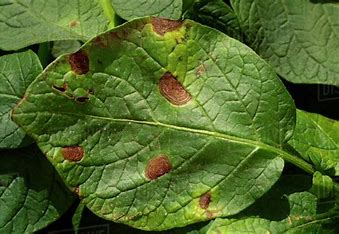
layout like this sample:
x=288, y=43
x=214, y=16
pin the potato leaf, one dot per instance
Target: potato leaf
x=132, y=9
x=216, y=14
x=17, y=71
x=158, y=124
x=316, y=138
x=32, y=22
x=299, y=38
x=32, y=195
x=303, y=218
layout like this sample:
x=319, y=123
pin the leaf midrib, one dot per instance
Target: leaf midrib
x=219, y=135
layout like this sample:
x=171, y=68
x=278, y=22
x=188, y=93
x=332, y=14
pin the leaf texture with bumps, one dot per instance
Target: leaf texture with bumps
x=32, y=195
x=299, y=38
x=17, y=71
x=27, y=22
x=158, y=124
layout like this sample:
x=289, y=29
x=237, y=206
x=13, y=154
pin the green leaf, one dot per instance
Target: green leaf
x=303, y=218
x=216, y=14
x=323, y=186
x=32, y=22
x=32, y=195
x=132, y=9
x=64, y=47
x=159, y=124
x=299, y=38
x=316, y=138
x=76, y=219
x=17, y=71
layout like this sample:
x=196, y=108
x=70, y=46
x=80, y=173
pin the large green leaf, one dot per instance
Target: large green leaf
x=216, y=14
x=159, y=123
x=299, y=38
x=132, y=9
x=17, y=71
x=303, y=218
x=27, y=22
x=32, y=195
x=316, y=138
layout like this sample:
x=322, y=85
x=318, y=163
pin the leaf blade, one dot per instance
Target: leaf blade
x=40, y=21
x=17, y=73
x=127, y=122
x=302, y=41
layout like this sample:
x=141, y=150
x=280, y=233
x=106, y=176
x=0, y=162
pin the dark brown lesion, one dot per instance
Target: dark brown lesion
x=173, y=90
x=72, y=153
x=158, y=166
x=61, y=89
x=81, y=100
x=161, y=26
x=205, y=200
x=79, y=62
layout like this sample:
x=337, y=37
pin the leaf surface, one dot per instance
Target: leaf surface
x=316, y=138
x=129, y=10
x=159, y=124
x=299, y=38
x=32, y=195
x=32, y=22
x=303, y=218
x=216, y=14
x=17, y=71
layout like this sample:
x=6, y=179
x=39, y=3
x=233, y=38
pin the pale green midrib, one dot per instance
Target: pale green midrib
x=286, y=156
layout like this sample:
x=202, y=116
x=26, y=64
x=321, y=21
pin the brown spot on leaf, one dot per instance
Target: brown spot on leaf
x=72, y=153
x=157, y=167
x=79, y=62
x=173, y=91
x=99, y=42
x=205, y=200
x=61, y=89
x=73, y=23
x=161, y=26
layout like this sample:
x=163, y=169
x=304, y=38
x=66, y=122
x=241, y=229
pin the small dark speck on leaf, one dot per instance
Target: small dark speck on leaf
x=157, y=167
x=91, y=91
x=79, y=62
x=73, y=23
x=161, y=26
x=173, y=91
x=82, y=100
x=60, y=88
x=72, y=153
x=205, y=200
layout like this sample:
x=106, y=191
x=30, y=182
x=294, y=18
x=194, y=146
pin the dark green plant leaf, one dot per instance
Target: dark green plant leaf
x=32, y=195
x=76, y=219
x=159, y=124
x=216, y=14
x=316, y=138
x=132, y=9
x=17, y=71
x=299, y=38
x=303, y=218
x=24, y=22
x=323, y=186
x=64, y=47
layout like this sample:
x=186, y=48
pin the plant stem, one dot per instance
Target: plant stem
x=109, y=12
x=298, y=162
